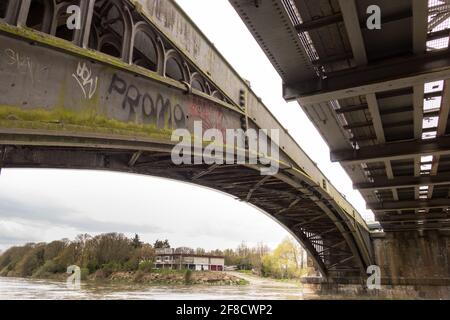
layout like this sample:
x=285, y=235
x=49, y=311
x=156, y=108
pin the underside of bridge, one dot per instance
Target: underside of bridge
x=108, y=96
x=379, y=96
x=282, y=201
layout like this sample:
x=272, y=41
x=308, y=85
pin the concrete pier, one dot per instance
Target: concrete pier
x=413, y=258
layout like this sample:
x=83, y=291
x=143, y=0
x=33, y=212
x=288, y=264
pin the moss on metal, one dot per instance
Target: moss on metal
x=61, y=118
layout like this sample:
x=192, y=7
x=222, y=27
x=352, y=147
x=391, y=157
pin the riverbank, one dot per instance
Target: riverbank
x=175, y=277
x=155, y=277
x=266, y=281
x=20, y=288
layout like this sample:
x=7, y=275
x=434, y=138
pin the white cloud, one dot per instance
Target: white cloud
x=64, y=203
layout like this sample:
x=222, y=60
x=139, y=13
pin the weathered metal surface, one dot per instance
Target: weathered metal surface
x=39, y=84
x=400, y=72
x=169, y=18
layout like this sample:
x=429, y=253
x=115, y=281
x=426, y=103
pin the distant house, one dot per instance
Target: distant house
x=170, y=258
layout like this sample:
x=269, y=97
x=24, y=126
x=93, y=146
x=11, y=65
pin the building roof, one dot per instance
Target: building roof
x=190, y=255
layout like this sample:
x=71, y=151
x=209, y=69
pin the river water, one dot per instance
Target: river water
x=257, y=289
x=18, y=288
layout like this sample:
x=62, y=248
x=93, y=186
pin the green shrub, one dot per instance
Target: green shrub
x=188, y=276
x=92, y=266
x=52, y=267
x=32, y=261
x=41, y=273
x=146, y=266
x=110, y=268
x=131, y=265
x=84, y=273
x=4, y=272
x=165, y=271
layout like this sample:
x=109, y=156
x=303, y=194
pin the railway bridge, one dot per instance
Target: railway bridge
x=108, y=95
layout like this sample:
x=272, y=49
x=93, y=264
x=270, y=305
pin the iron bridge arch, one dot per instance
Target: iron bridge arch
x=107, y=97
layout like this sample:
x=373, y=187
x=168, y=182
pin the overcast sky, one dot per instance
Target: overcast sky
x=44, y=205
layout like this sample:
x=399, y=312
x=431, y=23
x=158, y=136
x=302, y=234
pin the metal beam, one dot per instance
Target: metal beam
x=291, y=205
x=304, y=223
x=205, y=172
x=385, y=218
x=428, y=130
x=396, y=110
x=340, y=262
x=441, y=129
x=420, y=25
x=332, y=59
x=395, y=93
x=319, y=22
x=432, y=113
x=374, y=111
x=403, y=182
x=444, y=110
x=402, y=123
x=320, y=234
x=433, y=94
x=134, y=158
x=358, y=125
x=440, y=8
x=379, y=132
x=409, y=204
x=393, y=151
x=437, y=20
x=387, y=75
x=348, y=109
x=385, y=19
x=363, y=138
x=88, y=13
x=438, y=34
x=352, y=25
x=257, y=185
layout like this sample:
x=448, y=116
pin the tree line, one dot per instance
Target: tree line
x=113, y=252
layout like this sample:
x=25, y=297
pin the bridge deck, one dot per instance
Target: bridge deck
x=382, y=94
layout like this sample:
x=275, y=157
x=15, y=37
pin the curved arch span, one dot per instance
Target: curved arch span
x=102, y=113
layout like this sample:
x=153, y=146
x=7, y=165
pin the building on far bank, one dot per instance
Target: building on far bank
x=170, y=258
x=230, y=268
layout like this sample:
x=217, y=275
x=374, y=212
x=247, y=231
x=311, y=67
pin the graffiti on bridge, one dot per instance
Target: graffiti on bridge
x=210, y=118
x=155, y=109
x=86, y=81
x=24, y=65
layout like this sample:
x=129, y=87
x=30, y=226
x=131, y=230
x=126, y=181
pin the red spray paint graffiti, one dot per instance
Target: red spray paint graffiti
x=211, y=118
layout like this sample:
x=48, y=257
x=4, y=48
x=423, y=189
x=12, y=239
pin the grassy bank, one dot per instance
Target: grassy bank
x=178, y=277
x=155, y=277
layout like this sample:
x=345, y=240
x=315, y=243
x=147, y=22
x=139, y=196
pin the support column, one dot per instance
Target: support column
x=87, y=13
x=419, y=258
x=12, y=12
x=22, y=9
